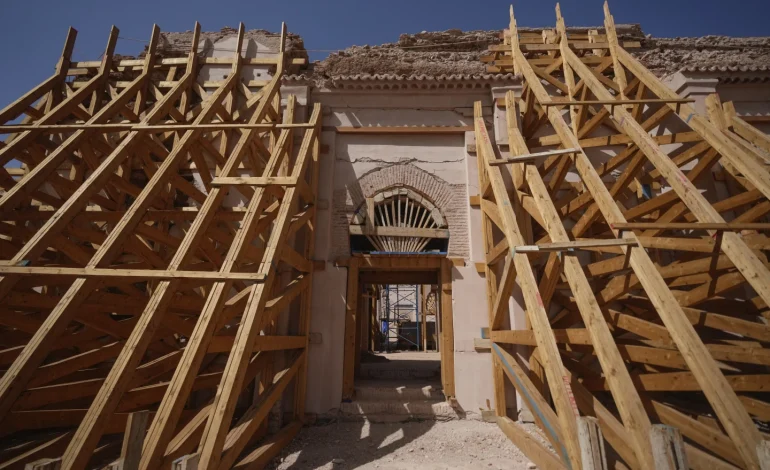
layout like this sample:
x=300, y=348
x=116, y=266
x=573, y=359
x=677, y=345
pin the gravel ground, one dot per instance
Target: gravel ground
x=430, y=445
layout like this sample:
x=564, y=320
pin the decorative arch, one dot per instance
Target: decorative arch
x=450, y=199
x=398, y=220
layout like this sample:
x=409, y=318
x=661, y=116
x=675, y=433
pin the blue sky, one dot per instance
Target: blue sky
x=32, y=32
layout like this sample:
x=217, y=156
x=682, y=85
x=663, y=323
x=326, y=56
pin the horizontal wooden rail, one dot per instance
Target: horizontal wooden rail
x=400, y=129
x=575, y=245
x=399, y=231
x=720, y=227
x=616, y=102
x=130, y=126
x=577, y=45
x=135, y=274
x=532, y=156
x=254, y=181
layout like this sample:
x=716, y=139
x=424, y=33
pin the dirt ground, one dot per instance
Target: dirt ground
x=429, y=445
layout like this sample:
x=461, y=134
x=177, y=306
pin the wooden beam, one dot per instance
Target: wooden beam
x=576, y=245
x=532, y=156
x=715, y=386
x=719, y=227
x=447, y=331
x=567, y=411
x=414, y=130
x=399, y=231
x=669, y=447
x=134, y=275
x=613, y=103
x=131, y=451
x=261, y=181
x=536, y=451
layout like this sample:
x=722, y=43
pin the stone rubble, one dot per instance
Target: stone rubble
x=458, y=52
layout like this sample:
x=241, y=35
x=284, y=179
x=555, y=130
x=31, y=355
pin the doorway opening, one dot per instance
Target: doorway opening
x=399, y=337
x=403, y=317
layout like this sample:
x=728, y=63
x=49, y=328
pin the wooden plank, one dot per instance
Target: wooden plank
x=98, y=126
x=566, y=408
x=507, y=283
x=745, y=163
x=270, y=448
x=541, y=411
x=254, y=181
x=131, y=450
x=418, y=262
x=576, y=245
x=618, y=102
x=628, y=403
x=236, y=440
x=669, y=447
x=257, y=316
x=399, y=231
x=536, y=451
x=715, y=386
x=13, y=382
x=447, y=331
x=592, y=444
x=416, y=130
x=720, y=227
x=532, y=156
x=134, y=275
x=527, y=337
x=171, y=406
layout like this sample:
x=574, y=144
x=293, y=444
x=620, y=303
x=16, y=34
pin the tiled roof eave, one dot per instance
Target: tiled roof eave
x=393, y=81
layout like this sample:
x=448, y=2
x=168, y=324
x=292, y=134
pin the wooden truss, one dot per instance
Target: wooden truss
x=633, y=227
x=156, y=264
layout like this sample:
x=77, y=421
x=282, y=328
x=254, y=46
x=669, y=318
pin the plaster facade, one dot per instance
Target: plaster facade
x=436, y=166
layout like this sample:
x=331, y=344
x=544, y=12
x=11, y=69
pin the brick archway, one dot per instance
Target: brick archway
x=450, y=199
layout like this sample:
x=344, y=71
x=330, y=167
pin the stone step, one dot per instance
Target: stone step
x=395, y=411
x=398, y=390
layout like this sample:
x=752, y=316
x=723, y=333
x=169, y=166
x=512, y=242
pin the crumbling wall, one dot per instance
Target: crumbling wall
x=664, y=56
x=449, y=52
x=177, y=44
x=454, y=51
x=434, y=54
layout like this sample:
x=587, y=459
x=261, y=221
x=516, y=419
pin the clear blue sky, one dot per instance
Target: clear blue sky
x=32, y=32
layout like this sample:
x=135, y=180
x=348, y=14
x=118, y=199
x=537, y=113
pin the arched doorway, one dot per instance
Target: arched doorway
x=399, y=313
x=398, y=220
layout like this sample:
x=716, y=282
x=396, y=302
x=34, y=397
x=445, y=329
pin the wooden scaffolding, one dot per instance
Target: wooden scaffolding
x=633, y=227
x=156, y=262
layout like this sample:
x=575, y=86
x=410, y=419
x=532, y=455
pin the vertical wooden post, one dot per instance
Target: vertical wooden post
x=447, y=331
x=351, y=309
x=668, y=448
x=373, y=326
x=133, y=439
x=763, y=453
x=591, y=444
x=424, y=325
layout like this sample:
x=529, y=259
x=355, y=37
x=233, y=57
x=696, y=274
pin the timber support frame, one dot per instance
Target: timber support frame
x=646, y=296
x=156, y=262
